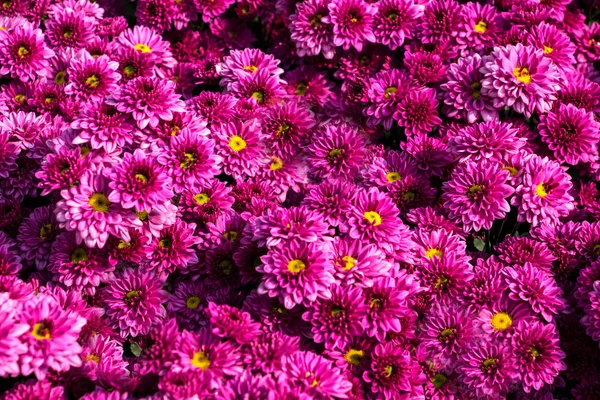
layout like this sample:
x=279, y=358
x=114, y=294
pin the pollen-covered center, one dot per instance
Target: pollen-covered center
x=142, y=48
x=501, y=321
x=433, y=252
x=348, y=263
x=40, y=331
x=276, y=164
x=237, y=143
x=296, y=266
x=489, y=364
x=200, y=360
x=45, y=231
x=79, y=255
x=59, y=78
x=392, y=176
x=192, y=302
x=201, y=198
x=354, y=357
x=373, y=217
x=540, y=190
x=480, y=27
x=99, y=202
x=438, y=380
x=522, y=74
x=92, y=81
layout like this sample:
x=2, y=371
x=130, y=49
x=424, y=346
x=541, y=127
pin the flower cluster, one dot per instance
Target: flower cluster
x=318, y=199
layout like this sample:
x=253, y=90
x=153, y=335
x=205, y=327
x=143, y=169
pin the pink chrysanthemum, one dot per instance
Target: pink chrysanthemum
x=386, y=90
x=395, y=21
x=149, y=100
x=157, y=14
x=357, y=263
x=36, y=234
x=261, y=87
x=134, y=302
x=476, y=194
x=440, y=21
x=310, y=33
x=139, y=182
x=520, y=77
x=246, y=63
x=283, y=226
x=286, y=127
x=298, y=273
x=10, y=330
x=91, y=78
x=51, y=339
x=70, y=28
x=571, y=134
x=519, y=250
x=240, y=146
x=85, y=209
x=331, y=199
x=211, y=9
x=23, y=53
x=479, y=27
x=146, y=41
x=543, y=196
x=230, y=323
x=173, y=248
x=555, y=44
x=417, y=112
x=62, y=170
x=352, y=23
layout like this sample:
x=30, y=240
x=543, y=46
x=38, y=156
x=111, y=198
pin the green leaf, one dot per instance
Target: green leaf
x=479, y=244
x=135, y=349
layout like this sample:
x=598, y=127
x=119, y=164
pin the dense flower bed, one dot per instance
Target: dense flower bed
x=295, y=200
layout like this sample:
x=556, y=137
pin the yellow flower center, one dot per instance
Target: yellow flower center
x=283, y=128
x=476, y=89
x=45, y=231
x=99, y=202
x=388, y=371
x=489, y=363
x=141, y=178
x=512, y=170
x=201, y=198
x=354, y=357
x=540, y=190
x=316, y=20
x=375, y=303
x=79, y=255
x=301, y=89
x=439, y=380
x=409, y=196
x=123, y=244
x=390, y=91
x=166, y=243
x=373, y=217
x=40, y=331
x=522, y=75
x=349, y=263
x=276, y=164
x=534, y=352
x=92, y=81
x=22, y=52
x=501, y=321
x=237, y=143
x=92, y=358
x=142, y=215
x=480, y=27
x=192, y=302
x=251, y=68
x=393, y=176
x=131, y=295
x=141, y=47
x=68, y=34
x=226, y=266
x=231, y=236
x=441, y=282
x=336, y=311
x=433, y=252
x=20, y=98
x=259, y=96
x=84, y=150
x=596, y=249
x=548, y=49
x=59, y=78
x=189, y=160
x=129, y=70
x=201, y=360
x=295, y=266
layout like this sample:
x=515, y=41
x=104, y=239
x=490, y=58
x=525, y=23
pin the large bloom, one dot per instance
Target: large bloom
x=91, y=78
x=417, y=112
x=173, y=248
x=85, y=209
x=23, y=53
x=520, y=77
x=311, y=34
x=476, y=194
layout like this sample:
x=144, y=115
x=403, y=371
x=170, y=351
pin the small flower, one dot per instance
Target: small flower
x=352, y=23
x=395, y=21
x=91, y=78
x=417, y=112
x=23, y=53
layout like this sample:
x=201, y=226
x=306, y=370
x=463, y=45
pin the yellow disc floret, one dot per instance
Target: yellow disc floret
x=296, y=266
x=99, y=202
x=373, y=217
x=501, y=321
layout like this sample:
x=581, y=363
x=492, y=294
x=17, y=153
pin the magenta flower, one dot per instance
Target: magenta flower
x=283, y=226
x=139, y=182
x=440, y=21
x=386, y=90
x=173, y=248
x=476, y=195
x=86, y=210
x=522, y=78
x=395, y=21
x=148, y=100
x=10, y=331
x=358, y=263
x=309, y=32
x=149, y=43
x=91, y=78
x=70, y=28
x=231, y=323
x=246, y=63
x=352, y=23
x=417, y=112
x=23, y=53
x=134, y=302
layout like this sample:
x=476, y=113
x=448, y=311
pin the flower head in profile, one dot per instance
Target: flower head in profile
x=522, y=78
x=86, y=210
x=476, y=194
x=134, y=301
x=23, y=53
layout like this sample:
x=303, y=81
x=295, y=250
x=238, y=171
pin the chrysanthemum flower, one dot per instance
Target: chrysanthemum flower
x=36, y=234
x=103, y=127
x=543, y=197
x=384, y=171
x=190, y=161
x=395, y=21
x=286, y=127
x=85, y=209
x=230, y=323
x=332, y=199
x=417, y=112
x=91, y=78
x=203, y=352
x=77, y=266
x=392, y=372
x=476, y=194
x=70, y=28
x=240, y=146
x=555, y=44
x=479, y=27
x=425, y=66
x=335, y=321
x=462, y=92
x=447, y=331
x=51, y=339
x=211, y=9
x=146, y=41
x=489, y=369
x=522, y=78
x=261, y=87
x=134, y=302
x=35, y=389
x=538, y=354
x=298, y=273
x=536, y=287
x=173, y=248
x=571, y=134
x=308, y=84
x=24, y=128
x=386, y=90
x=213, y=107
x=188, y=303
x=23, y=53
x=500, y=318
x=10, y=330
x=133, y=251
x=148, y=100
x=283, y=226
x=139, y=182
x=246, y=63
x=310, y=33
x=490, y=141
x=352, y=23
x=358, y=263
x=440, y=244
x=304, y=368
x=440, y=21
x=337, y=151
x=156, y=14
x=282, y=175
